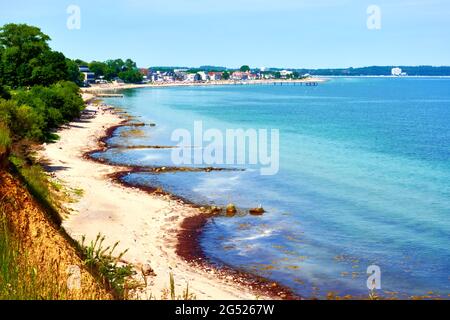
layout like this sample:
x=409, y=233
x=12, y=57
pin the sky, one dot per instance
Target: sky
x=259, y=33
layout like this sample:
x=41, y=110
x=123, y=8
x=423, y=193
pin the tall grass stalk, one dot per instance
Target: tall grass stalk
x=102, y=259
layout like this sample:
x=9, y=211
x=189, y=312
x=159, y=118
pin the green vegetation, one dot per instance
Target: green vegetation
x=26, y=58
x=38, y=184
x=78, y=192
x=38, y=93
x=245, y=68
x=226, y=75
x=74, y=73
x=42, y=93
x=111, y=69
x=96, y=257
x=171, y=293
x=48, y=108
x=33, y=175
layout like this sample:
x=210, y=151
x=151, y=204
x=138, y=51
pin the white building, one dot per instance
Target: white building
x=203, y=76
x=88, y=76
x=396, y=72
x=285, y=73
x=190, y=77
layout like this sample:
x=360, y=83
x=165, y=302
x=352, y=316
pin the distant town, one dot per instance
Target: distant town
x=171, y=75
x=120, y=71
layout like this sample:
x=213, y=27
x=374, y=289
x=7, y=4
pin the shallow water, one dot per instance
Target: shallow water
x=364, y=179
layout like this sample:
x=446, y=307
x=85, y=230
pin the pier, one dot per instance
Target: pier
x=109, y=95
x=279, y=83
x=308, y=84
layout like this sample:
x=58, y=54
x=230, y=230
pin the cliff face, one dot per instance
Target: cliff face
x=46, y=248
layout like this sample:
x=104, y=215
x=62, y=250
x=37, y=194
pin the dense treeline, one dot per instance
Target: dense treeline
x=38, y=86
x=125, y=70
x=27, y=60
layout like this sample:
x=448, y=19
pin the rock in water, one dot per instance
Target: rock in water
x=231, y=210
x=257, y=211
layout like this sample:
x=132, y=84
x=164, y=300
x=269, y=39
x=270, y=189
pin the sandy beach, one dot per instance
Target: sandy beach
x=147, y=225
x=120, y=86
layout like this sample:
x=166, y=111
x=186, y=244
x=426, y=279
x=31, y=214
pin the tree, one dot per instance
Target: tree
x=74, y=73
x=245, y=68
x=20, y=44
x=26, y=58
x=99, y=68
x=80, y=62
x=130, y=64
x=49, y=67
x=44, y=87
x=226, y=75
x=114, y=67
x=131, y=76
x=126, y=70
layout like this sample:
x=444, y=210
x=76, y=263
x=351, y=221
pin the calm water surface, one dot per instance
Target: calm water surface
x=364, y=179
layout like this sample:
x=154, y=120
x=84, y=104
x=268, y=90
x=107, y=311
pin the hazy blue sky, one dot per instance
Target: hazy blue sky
x=262, y=33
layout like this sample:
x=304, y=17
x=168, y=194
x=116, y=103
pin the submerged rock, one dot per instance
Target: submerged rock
x=231, y=210
x=257, y=211
x=137, y=124
x=215, y=210
x=158, y=190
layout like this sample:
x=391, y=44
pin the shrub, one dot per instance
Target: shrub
x=23, y=121
x=97, y=257
x=48, y=108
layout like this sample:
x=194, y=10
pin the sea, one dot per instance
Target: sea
x=360, y=202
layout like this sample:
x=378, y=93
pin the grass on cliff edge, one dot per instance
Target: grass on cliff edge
x=98, y=259
x=19, y=280
x=37, y=183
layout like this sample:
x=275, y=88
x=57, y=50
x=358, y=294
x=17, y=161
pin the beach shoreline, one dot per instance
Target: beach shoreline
x=122, y=86
x=159, y=231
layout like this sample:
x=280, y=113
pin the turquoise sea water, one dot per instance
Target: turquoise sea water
x=364, y=179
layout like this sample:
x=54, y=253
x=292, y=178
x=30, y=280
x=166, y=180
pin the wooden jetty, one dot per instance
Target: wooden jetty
x=109, y=95
x=279, y=83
